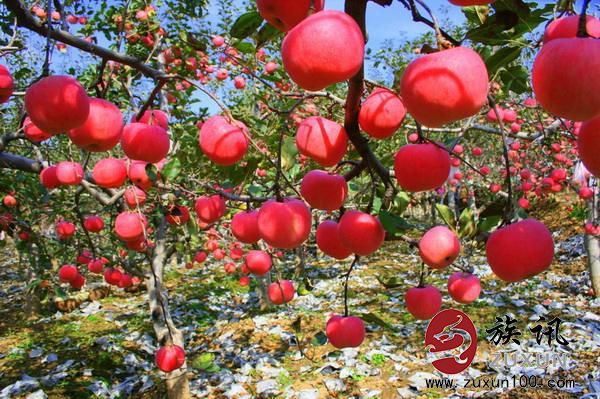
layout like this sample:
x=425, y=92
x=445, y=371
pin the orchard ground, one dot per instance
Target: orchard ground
x=105, y=348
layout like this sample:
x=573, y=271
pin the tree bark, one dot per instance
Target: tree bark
x=177, y=382
x=592, y=246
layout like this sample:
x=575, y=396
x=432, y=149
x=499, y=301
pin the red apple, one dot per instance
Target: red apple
x=125, y=281
x=244, y=281
x=322, y=140
x=134, y=196
x=563, y=82
x=64, y=229
x=285, y=15
x=439, y=247
x=567, y=27
x=138, y=175
x=312, y=51
x=48, y=178
x=130, y=226
x=281, y=292
x=9, y=200
x=200, y=257
x=67, y=273
x=210, y=209
x=96, y=266
x=153, y=117
x=258, y=262
x=57, y=104
x=149, y=143
x=464, y=287
x=223, y=142
x=444, y=87
x=345, y=332
x=244, y=226
x=323, y=190
x=423, y=302
x=6, y=84
x=110, y=173
x=588, y=145
x=112, y=276
x=34, y=133
x=284, y=224
x=77, y=282
x=421, y=167
x=520, y=250
x=381, y=114
x=178, y=215
x=170, y=358
x=93, y=224
x=360, y=232
x=328, y=240
x=102, y=128
x=218, y=41
x=69, y=173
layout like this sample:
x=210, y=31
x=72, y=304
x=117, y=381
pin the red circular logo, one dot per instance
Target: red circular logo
x=449, y=330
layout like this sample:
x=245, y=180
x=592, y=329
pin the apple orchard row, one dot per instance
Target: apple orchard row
x=436, y=89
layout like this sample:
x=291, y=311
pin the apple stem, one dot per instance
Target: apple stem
x=582, y=28
x=422, y=276
x=508, y=209
x=354, y=262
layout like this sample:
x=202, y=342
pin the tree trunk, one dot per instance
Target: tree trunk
x=166, y=333
x=592, y=246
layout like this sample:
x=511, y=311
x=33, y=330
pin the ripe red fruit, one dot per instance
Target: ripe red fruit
x=328, y=240
x=284, y=224
x=239, y=82
x=588, y=145
x=345, y=332
x=586, y=193
x=464, y=287
x=67, y=273
x=485, y=170
x=222, y=74
x=112, y=276
x=281, y=292
x=563, y=82
x=423, y=302
x=322, y=140
x=102, y=128
x=200, y=257
x=84, y=257
x=93, y=224
x=381, y=114
x=230, y=267
x=258, y=262
x=323, y=190
x=444, y=87
x=170, y=358
x=34, y=133
x=124, y=281
x=244, y=226
x=244, y=281
x=360, y=232
x=421, y=167
x=64, y=229
x=218, y=41
x=210, y=209
x=520, y=250
x=77, y=282
x=153, y=117
x=439, y=247
x=110, y=173
x=134, y=196
x=138, y=175
x=567, y=27
x=523, y=203
x=96, y=266
x=6, y=84
x=9, y=200
x=144, y=142
x=223, y=142
x=495, y=187
x=69, y=173
x=57, y=104
x=312, y=50
x=178, y=214
x=476, y=151
x=285, y=15
x=129, y=226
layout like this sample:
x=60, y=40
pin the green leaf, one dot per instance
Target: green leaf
x=265, y=34
x=60, y=293
x=373, y=318
x=246, y=25
x=466, y=223
x=476, y=14
x=204, y=361
x=489, y=223
x=502, y=58
x=401, y=201
x=245, y=47
x=392, y=223
x=171, y=170
x=288, y=153
x=319, y=339
x=447, y=215
x=515, y=79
